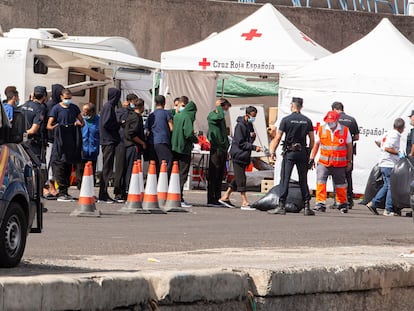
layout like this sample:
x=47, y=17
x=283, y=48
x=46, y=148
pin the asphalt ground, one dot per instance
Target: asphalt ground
x=67, y=237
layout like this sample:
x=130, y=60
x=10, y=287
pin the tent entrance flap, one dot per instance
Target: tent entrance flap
x=105, y=56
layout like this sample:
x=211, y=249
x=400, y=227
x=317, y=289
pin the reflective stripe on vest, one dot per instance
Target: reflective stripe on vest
x=333, y=153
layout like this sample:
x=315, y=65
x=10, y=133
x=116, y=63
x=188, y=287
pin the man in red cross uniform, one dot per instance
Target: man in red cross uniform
x=335, y=143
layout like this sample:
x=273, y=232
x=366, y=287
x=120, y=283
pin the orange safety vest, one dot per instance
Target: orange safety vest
x=333, y=153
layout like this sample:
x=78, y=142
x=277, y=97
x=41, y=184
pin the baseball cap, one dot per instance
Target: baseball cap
x=40, y=90
x=331, y=116
x=411, y=114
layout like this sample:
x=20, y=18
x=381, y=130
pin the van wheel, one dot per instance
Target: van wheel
x=13, y=233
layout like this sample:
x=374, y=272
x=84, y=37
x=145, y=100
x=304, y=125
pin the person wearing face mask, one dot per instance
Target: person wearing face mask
x=297, y=128
x=135, y=143
x=335, y=143
x=219, y=144
x=182, y=140
x=65, y=120
x=120, y=189
x=12, y=101
x=240, y=151
x=90, y=141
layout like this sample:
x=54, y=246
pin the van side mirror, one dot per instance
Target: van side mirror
x=4, y=125
x=17, y=129
x=11, y=133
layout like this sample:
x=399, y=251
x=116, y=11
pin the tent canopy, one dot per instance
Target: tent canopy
x=102, y=54
x=374, y=80
x=379, y=63
x=264, y=42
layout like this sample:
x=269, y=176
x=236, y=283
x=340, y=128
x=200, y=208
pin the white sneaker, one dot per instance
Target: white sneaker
x=185, y=204
x=386, y=213
x=247, y=208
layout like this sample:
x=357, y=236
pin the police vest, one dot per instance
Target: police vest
x=333, y=152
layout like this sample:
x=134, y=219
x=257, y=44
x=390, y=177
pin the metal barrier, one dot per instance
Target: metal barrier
x=361, y=5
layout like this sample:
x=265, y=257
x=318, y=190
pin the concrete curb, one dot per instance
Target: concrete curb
x=217, y=289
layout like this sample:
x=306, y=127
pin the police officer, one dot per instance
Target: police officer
x=35, y=112
x=296, y=128
x=352, y=125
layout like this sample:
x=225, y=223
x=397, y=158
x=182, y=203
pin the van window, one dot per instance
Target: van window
x=76, y=77
x=39, y=66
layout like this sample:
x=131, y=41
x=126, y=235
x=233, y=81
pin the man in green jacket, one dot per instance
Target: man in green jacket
x=182, y=139
x=217, y=135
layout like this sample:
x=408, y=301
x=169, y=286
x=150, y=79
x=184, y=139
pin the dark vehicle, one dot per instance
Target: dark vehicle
x=20, y=190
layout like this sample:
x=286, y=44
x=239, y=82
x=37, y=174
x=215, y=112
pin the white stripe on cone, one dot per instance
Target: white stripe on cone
x=134, y=184
x=87, y=187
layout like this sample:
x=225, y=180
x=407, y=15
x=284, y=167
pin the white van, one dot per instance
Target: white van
x=86, y=65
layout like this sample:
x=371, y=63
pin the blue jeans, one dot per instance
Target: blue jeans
x=385, y=191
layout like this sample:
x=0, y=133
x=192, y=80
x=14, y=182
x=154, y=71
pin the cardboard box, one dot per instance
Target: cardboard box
x=272, y=115
x=267, y=184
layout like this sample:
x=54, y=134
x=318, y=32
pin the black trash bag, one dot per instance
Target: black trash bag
x=401, y=177
x=374, y=184
x=294, y=203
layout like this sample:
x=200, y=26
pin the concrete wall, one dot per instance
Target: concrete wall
x=161, y=25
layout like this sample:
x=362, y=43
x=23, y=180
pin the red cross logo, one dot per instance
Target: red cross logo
x=250, y=35
x=204, y=64
x=306, y=38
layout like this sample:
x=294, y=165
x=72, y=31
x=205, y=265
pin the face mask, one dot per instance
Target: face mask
x=16, y=103
x=181, y=109
x=87, y=117
x=67, y=102
x=251, y=119
x=132, y=106
x=224, y=112
x=332, y=125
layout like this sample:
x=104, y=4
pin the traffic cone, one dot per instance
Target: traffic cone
x=162, y=188
x=86, y=200
x=173, y=203
x=141, y=179
x=133, y=204
x=150, y=202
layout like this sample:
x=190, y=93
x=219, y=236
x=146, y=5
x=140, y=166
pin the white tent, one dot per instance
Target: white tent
x=264, y=43
x=374, y=80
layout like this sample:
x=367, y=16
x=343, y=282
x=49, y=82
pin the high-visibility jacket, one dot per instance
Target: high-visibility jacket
x=333, y=152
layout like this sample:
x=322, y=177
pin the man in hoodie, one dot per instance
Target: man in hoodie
x=217, y=135
x=54, y=100
x=240, y=151
x=182, y=140
x=109, y=137
x=120, y=164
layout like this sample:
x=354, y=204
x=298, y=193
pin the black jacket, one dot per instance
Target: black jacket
x=134, y=127
x=242, y=144
x=67, y=147
x=109, y=125
x=54, y=100
x=121, y=116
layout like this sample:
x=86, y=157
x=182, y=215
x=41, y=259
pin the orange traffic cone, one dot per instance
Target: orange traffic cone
x=162, y=188
x=133, y=204
x=150, y=202
x=173, y=203
x=86, y=200
x=141, y=179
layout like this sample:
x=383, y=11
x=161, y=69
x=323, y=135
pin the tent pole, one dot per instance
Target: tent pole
x=154, y=80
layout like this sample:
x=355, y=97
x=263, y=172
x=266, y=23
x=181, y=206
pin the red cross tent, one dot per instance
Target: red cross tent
x=264, y=43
